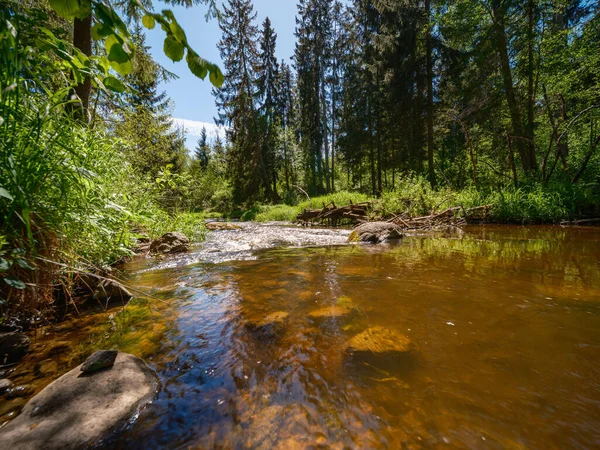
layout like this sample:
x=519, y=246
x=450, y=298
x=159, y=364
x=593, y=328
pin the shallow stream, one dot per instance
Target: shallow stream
x=505, y=322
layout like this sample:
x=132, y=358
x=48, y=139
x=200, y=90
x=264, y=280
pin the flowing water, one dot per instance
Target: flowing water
x=505, y=322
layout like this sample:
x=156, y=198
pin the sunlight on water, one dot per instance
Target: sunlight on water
x=254, y=348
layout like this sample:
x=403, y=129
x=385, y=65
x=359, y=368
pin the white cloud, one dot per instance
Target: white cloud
x=193, y=128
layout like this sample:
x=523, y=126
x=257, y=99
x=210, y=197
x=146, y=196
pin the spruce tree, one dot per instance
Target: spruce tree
x=237, y=101
x=202, y=150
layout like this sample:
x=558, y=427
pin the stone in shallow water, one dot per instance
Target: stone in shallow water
x=102, y=359
x=330, y=313
x=379, y=341
x=13, y=346
x=375, y=232
x=222, y=226
x=82, y=410
x=109, y=290
x=271, y=325
x=5, y=385
x=173, y=242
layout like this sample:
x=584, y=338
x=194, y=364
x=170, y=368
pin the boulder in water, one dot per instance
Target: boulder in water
x=221, y=226
x=82, y=410
x=272, y=325
x=5, y=385
x=334, y=312
x=375, y=232
x=13, y=346
x=379, y=341
x=108, y=290
x=173, y=242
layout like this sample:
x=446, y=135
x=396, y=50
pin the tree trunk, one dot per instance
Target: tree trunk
x=530, y=78
x=429, y=98
x=527, y=156
x=82, y=40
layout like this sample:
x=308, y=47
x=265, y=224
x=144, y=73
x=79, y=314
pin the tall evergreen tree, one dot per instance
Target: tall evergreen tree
x=237, y=101
x=267, y=92
x=202, y=150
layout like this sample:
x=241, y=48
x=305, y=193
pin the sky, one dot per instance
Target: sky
x=194, y=105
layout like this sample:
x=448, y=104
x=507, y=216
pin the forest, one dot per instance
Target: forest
x=414, y=105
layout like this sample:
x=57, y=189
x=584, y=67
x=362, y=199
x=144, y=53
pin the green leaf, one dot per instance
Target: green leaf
x=173, y=49
x=17, y=284
x=4, y=265
x=4, y=193
x=198, y=66
x=122, y=68
x=216, y=76
x=178, y=32
x=114, y=84
x=148, y=21
x=69, y=9
x=100, y=31
x=24, y=264
x=118, y=54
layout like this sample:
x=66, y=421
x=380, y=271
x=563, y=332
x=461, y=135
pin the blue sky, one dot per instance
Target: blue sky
x=194, y=104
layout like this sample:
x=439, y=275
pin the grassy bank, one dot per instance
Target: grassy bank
x=530, y=204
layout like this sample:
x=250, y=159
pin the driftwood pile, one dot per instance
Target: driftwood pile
x=358, y=213
x=332, y=215
x=447, y=219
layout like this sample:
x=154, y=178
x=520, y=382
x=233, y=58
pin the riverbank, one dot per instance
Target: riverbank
x=530, y=204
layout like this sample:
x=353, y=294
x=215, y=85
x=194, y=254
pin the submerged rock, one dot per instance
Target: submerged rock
x=174, y=242
x=82, y=410
x=330, y=313
x=222, y=226
x=379, y=341
x=108, y=290
x=13, y=346
x=102, y=359
x=270, y=326
x=5, y=385
x=375, y=232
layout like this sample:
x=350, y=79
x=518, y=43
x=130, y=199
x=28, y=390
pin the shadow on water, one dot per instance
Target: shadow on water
x=504, y=322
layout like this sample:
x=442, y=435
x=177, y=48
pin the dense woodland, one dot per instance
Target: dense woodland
x=419, y=104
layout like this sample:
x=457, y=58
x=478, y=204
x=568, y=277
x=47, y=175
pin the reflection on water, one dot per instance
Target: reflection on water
x=504, y=320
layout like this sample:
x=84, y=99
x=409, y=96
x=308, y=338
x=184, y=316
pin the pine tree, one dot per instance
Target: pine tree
x=202, y=150
x=146, y=119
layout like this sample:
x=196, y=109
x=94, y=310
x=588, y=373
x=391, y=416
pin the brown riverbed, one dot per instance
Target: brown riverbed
x=505, y=322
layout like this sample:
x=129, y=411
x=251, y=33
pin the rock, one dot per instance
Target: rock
x=13, y=346
x=271, y=325
x=334, y=312
x=174, y=242
x=375, y=232
x=20, y=391
x=5, y=385
x=82, y=410
x=221, y=226
x=379, y=341
x=109, y=290
x=102, y=359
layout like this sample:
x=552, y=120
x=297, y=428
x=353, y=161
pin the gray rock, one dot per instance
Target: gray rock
x=5, y=385
x=170, y=243
x=375, y=232
x=82, y=410
x=102, y=359
x=13, y=346
x=109, y=290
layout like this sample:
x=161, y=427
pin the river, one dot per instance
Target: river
x=505, y=323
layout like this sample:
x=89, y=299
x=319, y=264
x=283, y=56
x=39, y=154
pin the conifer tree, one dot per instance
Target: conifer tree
x=202, y=150
x=237, y=101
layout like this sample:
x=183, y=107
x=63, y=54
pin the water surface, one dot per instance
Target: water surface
x=505, y=322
